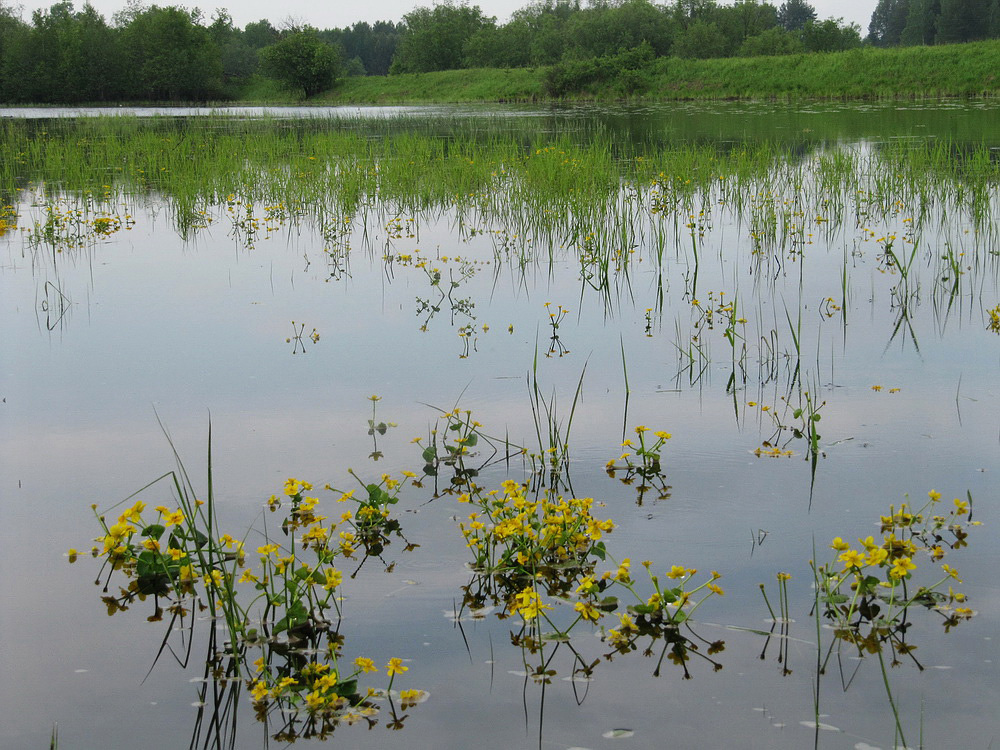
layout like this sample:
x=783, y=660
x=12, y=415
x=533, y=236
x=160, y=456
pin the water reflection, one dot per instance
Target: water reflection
x=181, y=308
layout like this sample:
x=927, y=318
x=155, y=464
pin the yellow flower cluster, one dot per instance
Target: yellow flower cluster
x=513, y=530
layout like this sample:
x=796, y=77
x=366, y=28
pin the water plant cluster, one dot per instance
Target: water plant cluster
x=280, y=606
x=537, y=558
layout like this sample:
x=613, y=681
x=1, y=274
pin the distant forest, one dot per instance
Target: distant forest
x=169, y=53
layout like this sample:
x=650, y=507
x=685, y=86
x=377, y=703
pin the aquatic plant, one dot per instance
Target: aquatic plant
x=286, y=608
x=643, y=462
x=867, y=593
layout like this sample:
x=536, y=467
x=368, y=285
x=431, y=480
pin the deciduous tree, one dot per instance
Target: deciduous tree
x=302, y=60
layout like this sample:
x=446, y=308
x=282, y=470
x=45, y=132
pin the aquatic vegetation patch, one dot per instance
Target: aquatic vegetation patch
x=642, y=462
x=285, y=645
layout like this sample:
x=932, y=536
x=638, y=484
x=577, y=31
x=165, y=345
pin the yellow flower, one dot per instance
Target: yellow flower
x=587, y=611
x=395, y=666
x=315, y=701
x=365, y=664
x=951, y=572
x=175, y=518
x=839, y=544
x=677, y=571
x=213, y=577
x=902, y=567
x=327, y=681
x=961, y=507
x=295, y=487
x=132, y=514
x=622, y=574
x=333, y=579
x=528, y=603
x=259, y=690
x=876, y=556
x=852, y=559
x=934, y=495
x=410, y=697
x=715, y=589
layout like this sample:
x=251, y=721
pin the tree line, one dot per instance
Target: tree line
x=911, y=22
x=170, y=53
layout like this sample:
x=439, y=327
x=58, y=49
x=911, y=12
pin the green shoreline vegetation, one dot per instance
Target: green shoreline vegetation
x=549, y=50
x=959, y=70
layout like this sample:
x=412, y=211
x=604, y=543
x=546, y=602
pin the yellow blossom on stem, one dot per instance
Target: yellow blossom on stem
x=365, y=664
x=395, y=666
x=677, y=571
x=587, y=611
x=876, y=556
x=259, y=690
x=315, y=701
x=333, y=579
x=852, y=559
x=902, y=567
x=132, y=514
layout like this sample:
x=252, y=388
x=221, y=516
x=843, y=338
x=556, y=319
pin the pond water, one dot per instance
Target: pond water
x=807, y=263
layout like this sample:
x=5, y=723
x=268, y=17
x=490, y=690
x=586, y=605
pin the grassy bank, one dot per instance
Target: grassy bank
x=870, y=73
x=478, y=85
x=949, y=70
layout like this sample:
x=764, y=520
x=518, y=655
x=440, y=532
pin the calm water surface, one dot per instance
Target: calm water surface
x=99, y=340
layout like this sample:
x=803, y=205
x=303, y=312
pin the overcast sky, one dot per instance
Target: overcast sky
x=339, y=13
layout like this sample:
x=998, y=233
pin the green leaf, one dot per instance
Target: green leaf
x=608, y=604
x=347, y=688
x=157, y=584
x=154, y=531
x=148, y=563
x=429, y=454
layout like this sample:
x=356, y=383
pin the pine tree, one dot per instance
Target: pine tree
x=993, y=30
x=962, y=21
x=793, y=15
x=888, y=21
x=921, y=22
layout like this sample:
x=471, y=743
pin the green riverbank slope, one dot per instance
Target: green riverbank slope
x=971, y=70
